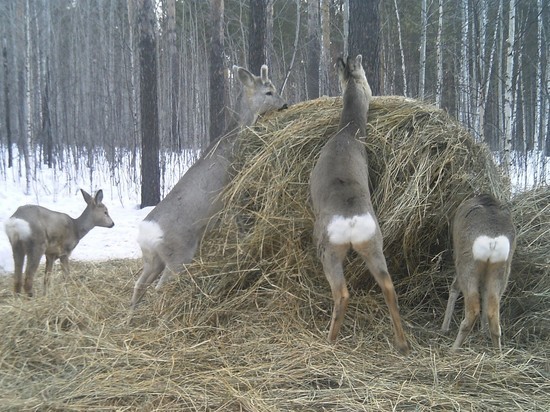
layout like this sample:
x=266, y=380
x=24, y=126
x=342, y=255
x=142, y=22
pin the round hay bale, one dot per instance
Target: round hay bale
x=526, y=302
x=422, y=165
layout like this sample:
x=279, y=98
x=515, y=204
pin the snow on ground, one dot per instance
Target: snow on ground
x=100, y=243
x=59, y=191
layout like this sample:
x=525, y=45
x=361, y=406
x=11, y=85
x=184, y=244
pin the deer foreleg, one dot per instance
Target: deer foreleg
x=47, y=272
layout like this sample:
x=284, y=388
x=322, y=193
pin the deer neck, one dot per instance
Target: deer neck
x=354, y=113
x=239, y=119
x=83, y=224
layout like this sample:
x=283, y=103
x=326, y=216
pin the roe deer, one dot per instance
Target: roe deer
x=484, y=240
x=34, y=231
x=344, y=216
x=171, y=232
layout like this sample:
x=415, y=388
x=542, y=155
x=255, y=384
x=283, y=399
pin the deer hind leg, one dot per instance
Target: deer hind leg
x=175, y=259
x=495, y=283
x=153, y=265
x=33, y=260
x=332, y=259
x=471, y=313
x=376, y=263
x=18, y=260
x=454, y=291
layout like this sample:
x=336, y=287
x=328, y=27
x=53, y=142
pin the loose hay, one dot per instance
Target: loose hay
x=245, y=328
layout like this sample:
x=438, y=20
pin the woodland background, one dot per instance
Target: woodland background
x=137, y=81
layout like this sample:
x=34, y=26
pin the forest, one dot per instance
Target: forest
x=135, y=90
x=88, y=79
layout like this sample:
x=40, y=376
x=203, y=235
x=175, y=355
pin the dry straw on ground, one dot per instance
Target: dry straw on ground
x=244, y=329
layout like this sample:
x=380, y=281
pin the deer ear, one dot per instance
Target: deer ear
x=99, y=196
x=340, y=65
x=263, y=72
x=86, y=196
x=245, y=77
x=358, y=59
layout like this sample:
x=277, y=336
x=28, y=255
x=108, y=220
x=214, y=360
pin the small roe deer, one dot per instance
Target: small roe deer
x=344, y=216
x=34, y=231
x=484, y=240
x=171, y=232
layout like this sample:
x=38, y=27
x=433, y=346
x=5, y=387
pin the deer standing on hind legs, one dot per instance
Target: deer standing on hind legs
x=484, y=240
x=344, y=216
x=34, y=231
x=170, y=234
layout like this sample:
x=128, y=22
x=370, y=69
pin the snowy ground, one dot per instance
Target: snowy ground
x=59, y=191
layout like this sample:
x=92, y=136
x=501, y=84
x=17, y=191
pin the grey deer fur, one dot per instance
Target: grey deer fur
x=344, y=216
x=484, y=240
x=34, y=231
x=171, y=232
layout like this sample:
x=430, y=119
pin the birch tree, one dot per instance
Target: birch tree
x=217, y=81
x=174, y=86
x=541, y=101
x=439, y=56
x=423, y=40
x=401, y=51
x=324, y=63
x=509, y=88
x=313, y=48
x=345, y=17
x=463, y=64
x=6, y=90
x=27, y=109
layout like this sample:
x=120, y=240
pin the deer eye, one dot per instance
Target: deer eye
x=269, y=94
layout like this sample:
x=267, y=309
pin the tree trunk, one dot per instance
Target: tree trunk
x=345, y=17
x=401, y=51
x=509, y=88
x=423, y=40
x=295, y=48
x=7, y=102
x=324, y=61
x=217, y=79
x=174, y=86
x=486, y=71
x=27, y=108
x=463, y=66
x=257, y=35
x=313, y=47
x=439, y=57
x=364, y=38
x=539, y=112
x=150, y=171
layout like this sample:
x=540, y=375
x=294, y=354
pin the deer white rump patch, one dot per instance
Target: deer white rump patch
x=357, y=229
x=17, y=229
x=492, y=249
x=150, y=235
